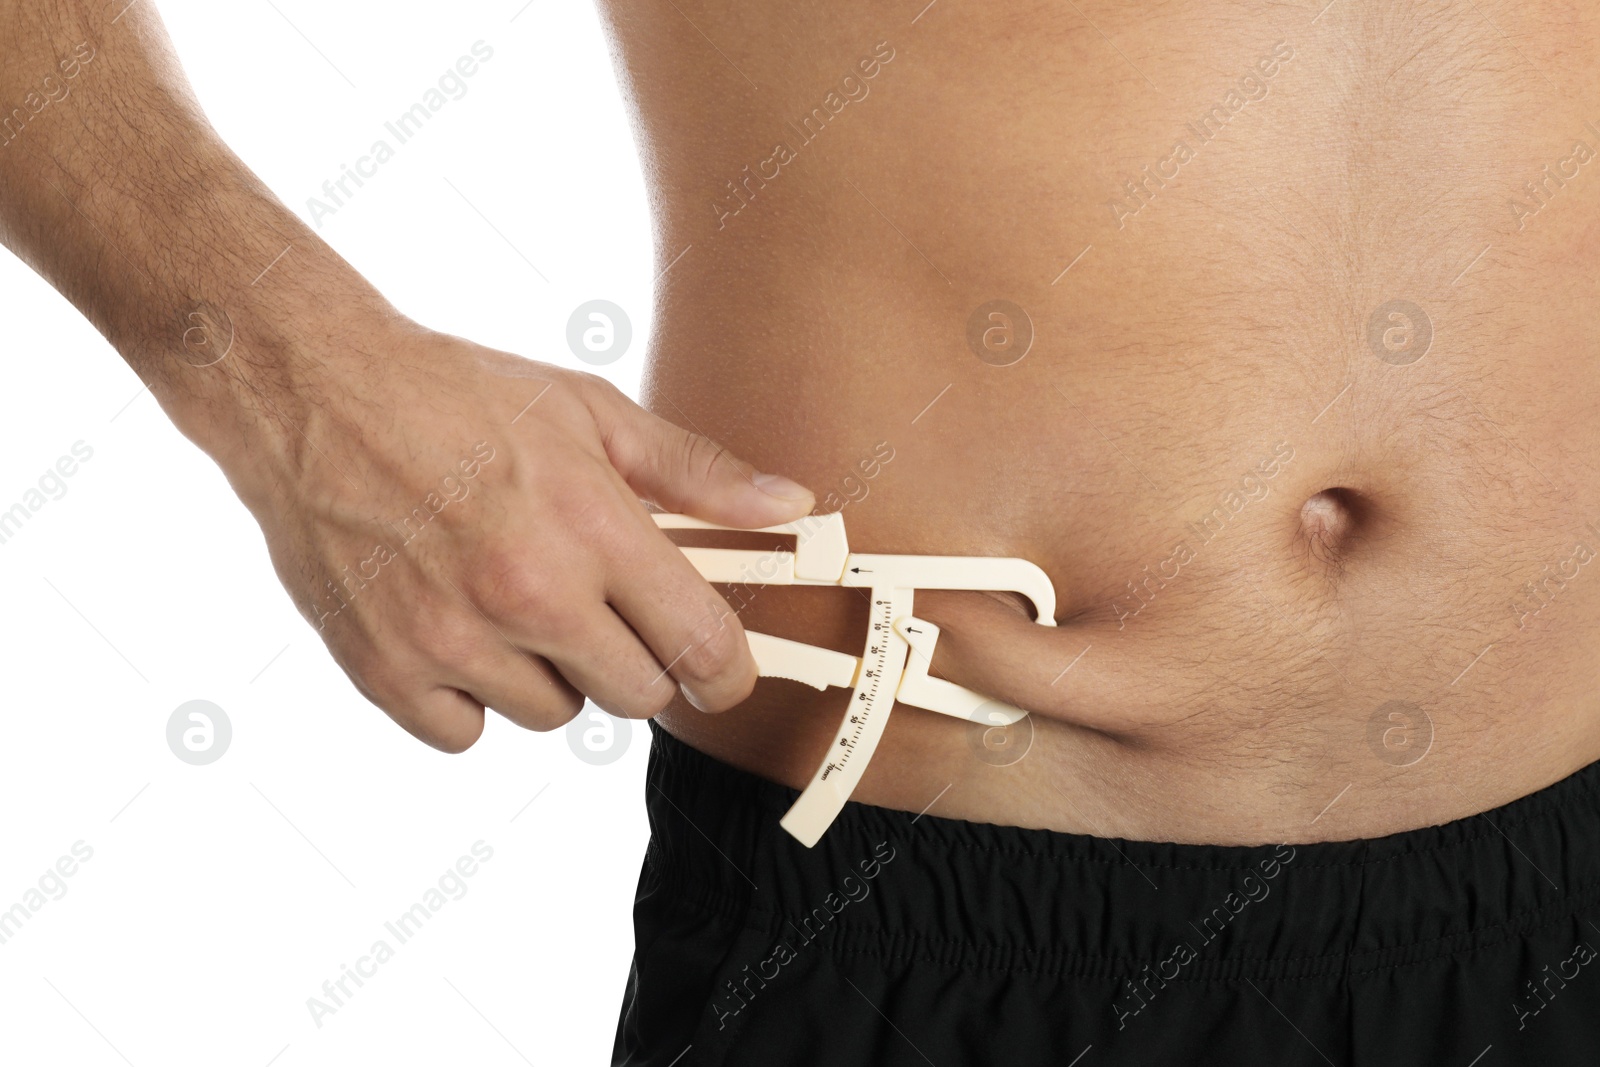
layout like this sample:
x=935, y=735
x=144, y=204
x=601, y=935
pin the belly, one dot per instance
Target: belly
x=1270, y=339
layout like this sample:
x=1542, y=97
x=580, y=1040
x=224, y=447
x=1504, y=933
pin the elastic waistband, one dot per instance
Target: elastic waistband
x=894, y=884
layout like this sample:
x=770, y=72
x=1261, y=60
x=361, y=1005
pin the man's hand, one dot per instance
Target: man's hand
x=468, y=533
x=463, y=527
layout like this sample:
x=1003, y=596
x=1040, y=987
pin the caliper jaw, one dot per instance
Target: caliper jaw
x=898, y=650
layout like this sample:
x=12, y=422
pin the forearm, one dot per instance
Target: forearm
x=118, y=191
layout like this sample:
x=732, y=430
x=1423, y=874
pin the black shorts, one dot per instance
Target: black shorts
x=919, y=940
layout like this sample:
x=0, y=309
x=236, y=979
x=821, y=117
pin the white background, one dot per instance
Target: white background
x=220, y=898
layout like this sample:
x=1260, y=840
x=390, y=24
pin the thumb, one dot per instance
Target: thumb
x=685, y=472
x=1087, y=674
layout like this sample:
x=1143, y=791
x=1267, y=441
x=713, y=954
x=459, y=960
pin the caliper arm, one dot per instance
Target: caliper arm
x=898, y=649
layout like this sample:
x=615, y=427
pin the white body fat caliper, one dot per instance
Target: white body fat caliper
x=898, y=650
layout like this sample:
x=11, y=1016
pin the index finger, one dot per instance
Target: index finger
x=686, y=623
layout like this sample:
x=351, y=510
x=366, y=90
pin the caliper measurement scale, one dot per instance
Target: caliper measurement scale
x=881, y=669
x=898, y=650
x=886, y=653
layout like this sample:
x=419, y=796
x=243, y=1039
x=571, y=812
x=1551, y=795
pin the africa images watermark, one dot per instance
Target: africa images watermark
x=51, y=485
x=1529, y=602
x=337, y=992
x=1252, y=86
x=51, y=886
x=403, y=128
x=1229, y=504
x=1526, y=1007
x=1000, y=333
x=852, y=89
x=51, y=90
x=813, y=926
x=854, y=488
x=452, y=488
x=1538, y=594
x=1550, y=182
x=1254, y=889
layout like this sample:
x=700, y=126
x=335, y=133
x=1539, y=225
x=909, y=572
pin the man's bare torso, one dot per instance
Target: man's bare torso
x=1306, y=434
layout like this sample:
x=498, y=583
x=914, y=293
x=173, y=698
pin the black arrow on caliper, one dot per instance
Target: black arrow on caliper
x=858, y=570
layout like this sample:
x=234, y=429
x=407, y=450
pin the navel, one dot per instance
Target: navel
x=1330, y=521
